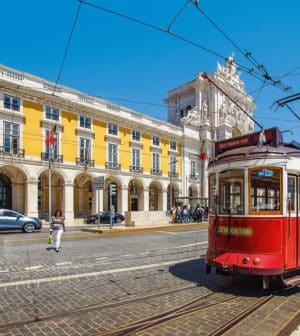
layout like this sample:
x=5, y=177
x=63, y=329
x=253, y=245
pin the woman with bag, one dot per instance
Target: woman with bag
x=57, y=226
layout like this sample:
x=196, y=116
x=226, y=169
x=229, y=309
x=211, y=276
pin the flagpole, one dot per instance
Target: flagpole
x=50, y=140
x=49, y=185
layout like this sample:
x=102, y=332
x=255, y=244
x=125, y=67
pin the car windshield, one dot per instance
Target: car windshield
x=9, y=213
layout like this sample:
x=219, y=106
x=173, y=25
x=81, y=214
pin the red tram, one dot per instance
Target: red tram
x=254, y=203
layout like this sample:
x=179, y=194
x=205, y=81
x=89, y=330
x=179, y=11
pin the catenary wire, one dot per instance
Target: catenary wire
x=178, y=14
x=68, y=45
x=164, y=30
x=246, y=54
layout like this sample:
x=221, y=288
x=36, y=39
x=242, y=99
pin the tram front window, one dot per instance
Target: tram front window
x=231, y=197
x=265, y=186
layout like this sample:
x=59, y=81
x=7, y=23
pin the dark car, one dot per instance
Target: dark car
x=104, y=218
x=12, y=220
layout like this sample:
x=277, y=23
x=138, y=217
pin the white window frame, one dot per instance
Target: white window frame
x=11, y=104
x=51, y=114
x=112, y=129
x=85, y=122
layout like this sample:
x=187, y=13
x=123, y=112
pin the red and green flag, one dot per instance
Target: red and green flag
x=203, y=152
x=51, y=137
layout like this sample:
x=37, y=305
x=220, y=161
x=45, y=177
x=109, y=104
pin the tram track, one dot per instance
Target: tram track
x=98, y=308
x=195, y=306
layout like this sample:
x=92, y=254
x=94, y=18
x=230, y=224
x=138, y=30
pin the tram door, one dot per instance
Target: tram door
x=293, y=225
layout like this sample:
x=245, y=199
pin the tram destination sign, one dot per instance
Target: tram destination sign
x=273, y=138
x=98, y=182
x=265, y=173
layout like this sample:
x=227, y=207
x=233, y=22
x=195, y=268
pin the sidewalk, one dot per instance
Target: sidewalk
x=122, y=229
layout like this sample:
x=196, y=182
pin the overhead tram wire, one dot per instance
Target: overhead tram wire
x=178, y=14
x=206, y=76
x=68, y=45
x=261, y=68
x=251, y=72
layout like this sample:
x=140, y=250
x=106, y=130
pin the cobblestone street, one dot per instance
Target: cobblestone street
x=97, y=285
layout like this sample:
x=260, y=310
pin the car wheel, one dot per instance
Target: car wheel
x=28, y=227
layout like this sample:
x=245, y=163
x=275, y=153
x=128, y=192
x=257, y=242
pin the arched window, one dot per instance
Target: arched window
x=5, y=192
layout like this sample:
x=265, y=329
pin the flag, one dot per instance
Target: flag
x=203, y=152
x=51, y=137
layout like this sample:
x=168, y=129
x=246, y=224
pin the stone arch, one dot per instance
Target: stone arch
x=155, y=196
x=115, y=199
x=174, y=194
x=193, y=191
x=84, y=195
x=13, y=188
x=57, y=192
x=135, y=195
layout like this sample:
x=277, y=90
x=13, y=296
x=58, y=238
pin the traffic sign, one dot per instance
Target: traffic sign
x=98, y=182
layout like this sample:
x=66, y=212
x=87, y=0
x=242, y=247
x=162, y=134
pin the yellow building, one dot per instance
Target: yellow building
x=135, y=154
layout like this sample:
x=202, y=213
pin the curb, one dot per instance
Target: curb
x=129, y=230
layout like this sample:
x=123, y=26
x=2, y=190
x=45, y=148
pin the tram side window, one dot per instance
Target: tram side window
x=291, y=192
x=231, y=197
x=265, y=184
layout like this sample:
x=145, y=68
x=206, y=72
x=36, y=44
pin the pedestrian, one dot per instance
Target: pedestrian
x=174, y=214
x=57, y=226
x=199, y=213
x=185, y=213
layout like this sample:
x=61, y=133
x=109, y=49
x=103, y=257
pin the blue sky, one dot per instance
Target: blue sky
x=126, y=62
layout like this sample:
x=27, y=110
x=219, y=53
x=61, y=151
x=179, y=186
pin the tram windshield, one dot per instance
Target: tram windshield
x=232, y=199
x=262, y=188
x=231, y=192
x=265, y=187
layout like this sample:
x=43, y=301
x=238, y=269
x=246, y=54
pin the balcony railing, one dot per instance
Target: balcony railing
x=173, y=174
x=84, y=162
x=194, y=177
x=54, y=157
x=12, y=151
x=136, y=169
x=112, y=165
x=156, y=172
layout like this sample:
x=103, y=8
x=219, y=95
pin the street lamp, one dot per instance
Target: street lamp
x=171, y=173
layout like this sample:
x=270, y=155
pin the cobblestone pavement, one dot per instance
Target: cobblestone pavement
x=96, y=284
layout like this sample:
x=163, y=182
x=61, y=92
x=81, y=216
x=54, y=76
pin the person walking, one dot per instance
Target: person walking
x=57, y=226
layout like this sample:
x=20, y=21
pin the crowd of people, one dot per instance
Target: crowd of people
x=187, y=214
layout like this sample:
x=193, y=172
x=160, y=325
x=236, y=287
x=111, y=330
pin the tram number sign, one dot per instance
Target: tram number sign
x=98, y=182
x=265, y=173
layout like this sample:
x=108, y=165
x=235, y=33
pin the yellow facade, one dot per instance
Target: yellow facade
x=125, y=155
x=99, y=148
x=32, y=130
x=68, y=136
x=146, y=156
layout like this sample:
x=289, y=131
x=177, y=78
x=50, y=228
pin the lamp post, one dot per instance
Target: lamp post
x=171, y=196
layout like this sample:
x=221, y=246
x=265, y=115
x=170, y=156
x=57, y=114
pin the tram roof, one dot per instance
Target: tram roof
x=250, y=146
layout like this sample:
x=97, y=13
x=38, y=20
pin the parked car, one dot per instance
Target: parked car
x=12, y=220
x=104, y=218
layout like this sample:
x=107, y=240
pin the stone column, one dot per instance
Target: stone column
x=124, y=199
x=68, y=205
x=164, y=200
x=204, y=179
x=31, y=198
x=146, y=199
x=198, y=97
x=98, y=198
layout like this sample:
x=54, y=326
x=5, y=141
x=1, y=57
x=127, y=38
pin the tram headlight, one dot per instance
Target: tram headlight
x=256, y=261
x=246, y=260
